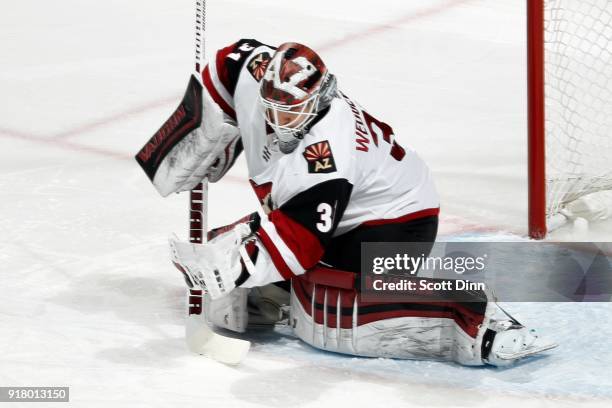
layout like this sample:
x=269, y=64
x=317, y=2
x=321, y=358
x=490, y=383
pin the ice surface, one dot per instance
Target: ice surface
x=88, y=298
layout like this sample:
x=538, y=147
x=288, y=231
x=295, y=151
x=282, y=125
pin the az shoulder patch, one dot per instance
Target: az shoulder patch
x=258, y=65
x=320, y=158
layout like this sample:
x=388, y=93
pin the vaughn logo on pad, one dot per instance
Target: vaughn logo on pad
x=319, y=157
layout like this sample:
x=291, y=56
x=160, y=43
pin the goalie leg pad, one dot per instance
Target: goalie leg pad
x=335, y=319
x=228, y=312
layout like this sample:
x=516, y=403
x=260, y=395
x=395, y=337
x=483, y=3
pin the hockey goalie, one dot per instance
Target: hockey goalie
x=329, y=175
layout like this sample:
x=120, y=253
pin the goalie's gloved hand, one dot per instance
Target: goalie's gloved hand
x=224, y=161
x=214, y=266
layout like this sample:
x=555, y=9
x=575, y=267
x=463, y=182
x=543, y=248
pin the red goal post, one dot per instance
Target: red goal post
x=535, y=117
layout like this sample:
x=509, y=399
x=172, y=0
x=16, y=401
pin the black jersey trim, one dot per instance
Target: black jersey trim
x=304, y=207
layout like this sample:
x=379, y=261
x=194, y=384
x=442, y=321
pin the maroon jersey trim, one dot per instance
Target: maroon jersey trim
x=212, y=91
x=430, y=212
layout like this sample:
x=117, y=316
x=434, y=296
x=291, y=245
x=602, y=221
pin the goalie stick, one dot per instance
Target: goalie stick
x=200, y=338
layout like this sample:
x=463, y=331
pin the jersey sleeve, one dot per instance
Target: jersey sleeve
x=220, y=76
x=297, y=233
x=292, y=238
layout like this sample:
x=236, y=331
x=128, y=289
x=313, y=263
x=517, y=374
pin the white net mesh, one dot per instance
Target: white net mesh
x=578, y=75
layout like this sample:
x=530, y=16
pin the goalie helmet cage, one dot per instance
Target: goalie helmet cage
x=569, y=106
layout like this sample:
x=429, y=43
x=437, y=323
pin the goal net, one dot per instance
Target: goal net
x=577, y=101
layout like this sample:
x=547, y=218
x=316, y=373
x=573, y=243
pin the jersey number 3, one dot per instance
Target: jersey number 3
x=326, y=223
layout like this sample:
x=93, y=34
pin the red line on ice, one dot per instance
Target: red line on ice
x=63, y=144
x=390, y=25
x=102, y=122
x=59, y=139
x=352, y=37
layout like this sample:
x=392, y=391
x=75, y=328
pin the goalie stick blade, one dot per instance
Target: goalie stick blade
x=225, y=350
x=202, y=340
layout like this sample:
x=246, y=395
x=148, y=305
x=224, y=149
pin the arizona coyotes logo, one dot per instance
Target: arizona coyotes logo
x=290, y=86
x=258, y=65
x=320, y=158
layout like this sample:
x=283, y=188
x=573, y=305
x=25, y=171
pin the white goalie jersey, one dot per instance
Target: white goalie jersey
x=348, y=171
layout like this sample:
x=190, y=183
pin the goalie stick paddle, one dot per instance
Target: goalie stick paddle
x=200, y=338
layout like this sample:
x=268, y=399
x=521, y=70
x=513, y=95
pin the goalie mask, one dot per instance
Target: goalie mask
x=294, y=89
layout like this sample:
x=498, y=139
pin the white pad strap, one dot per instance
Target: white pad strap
x=264, y=272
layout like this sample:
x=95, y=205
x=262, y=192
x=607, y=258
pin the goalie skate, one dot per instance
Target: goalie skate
x=511, y=342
